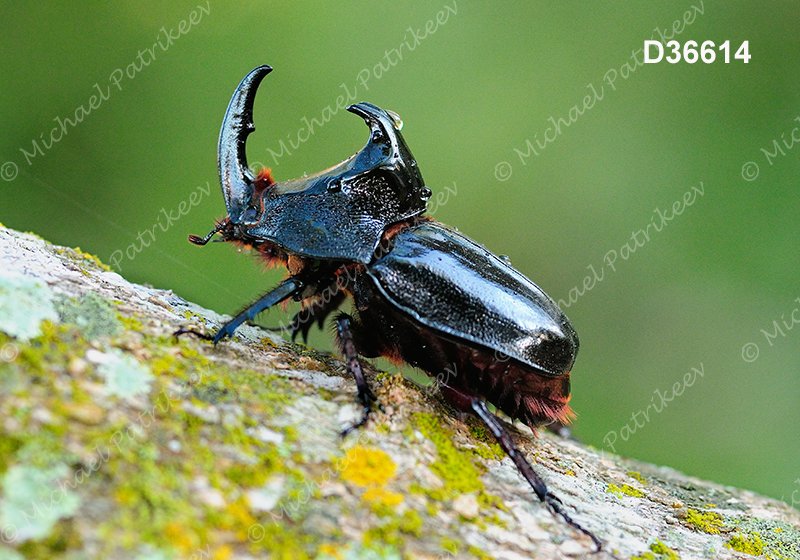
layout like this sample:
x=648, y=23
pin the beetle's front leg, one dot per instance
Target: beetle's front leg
x=283, y=291
x=470, y=403
x=366, y=397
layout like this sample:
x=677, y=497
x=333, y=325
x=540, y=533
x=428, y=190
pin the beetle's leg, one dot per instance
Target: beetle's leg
x=316, y=312
x=471, y=403
x=365, y=395
x=284, y=290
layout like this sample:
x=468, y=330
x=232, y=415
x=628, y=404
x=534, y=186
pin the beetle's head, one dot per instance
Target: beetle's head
x=384, y=170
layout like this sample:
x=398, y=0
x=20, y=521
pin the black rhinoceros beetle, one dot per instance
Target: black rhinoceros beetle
x=423, y=293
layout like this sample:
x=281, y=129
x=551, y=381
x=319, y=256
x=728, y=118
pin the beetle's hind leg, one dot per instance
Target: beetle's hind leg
x=470, y=403
x=366, y=397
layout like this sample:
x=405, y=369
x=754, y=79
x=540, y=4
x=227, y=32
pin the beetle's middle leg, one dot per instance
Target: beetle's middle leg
x=317, y=311
x=366, y=397
x=470, y=403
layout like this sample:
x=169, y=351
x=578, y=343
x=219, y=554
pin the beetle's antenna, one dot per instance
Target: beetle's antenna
x=197, y=240
x=234, y=175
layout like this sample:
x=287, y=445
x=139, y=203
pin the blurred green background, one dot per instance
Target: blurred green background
x=473, y=90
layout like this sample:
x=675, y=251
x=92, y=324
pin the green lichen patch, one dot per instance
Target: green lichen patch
x=83, y=258
x=42, y=359
x=478, y=553
x=124, y=375
x=33, y=502
x=40, y=448
x=91, y=313
x=450, y=546
x=777, y=539
x=8, y=446
x=24, y=303
x=747, y=544
x=63, y=538
x=454, y=467
x=272, y=393
x=658, y=551
x=637, y=476
x=178, y=477
x=393, y=532
x=706, y=521
x=457, y=469
x=624, y=490
x=488, y=448
x=131, y=323
x=160, y=498
x=183, y=364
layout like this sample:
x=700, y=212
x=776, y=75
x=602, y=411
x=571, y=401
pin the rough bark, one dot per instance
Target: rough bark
x=119, y=441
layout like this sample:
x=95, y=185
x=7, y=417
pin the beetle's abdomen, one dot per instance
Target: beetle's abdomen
x=519, y=390
x=516, y=389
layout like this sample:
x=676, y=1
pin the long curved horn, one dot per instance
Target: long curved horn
x=234, y=175
x=387, y=148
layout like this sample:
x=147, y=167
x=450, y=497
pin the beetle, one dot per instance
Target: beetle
x=422, y=292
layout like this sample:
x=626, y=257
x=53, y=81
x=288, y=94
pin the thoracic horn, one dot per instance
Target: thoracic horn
x=234, y=175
